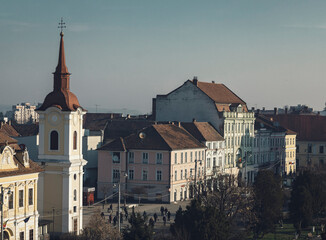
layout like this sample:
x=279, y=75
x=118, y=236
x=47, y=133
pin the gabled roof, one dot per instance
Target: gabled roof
x=8, y=129
x=202, y=131
x=308, y=127
x=156, y=137
x=4, y=139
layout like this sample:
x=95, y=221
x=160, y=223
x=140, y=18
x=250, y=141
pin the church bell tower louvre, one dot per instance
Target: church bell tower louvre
x=60, y=152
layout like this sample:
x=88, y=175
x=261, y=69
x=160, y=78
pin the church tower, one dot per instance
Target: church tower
x=60, y=153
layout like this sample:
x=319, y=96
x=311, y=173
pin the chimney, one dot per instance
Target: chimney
x=9, y=122
x=154, y=108
x=258, y=111
x=179, y=124
x=194, y=120
x=253, y=109
x=213, y=81
x=195, y=80
x=275, y=111
x=286, y=110
x=263, y=108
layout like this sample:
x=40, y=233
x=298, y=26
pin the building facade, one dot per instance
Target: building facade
x=159, y=162
x=18, y=180
x=60, y=154
x=24, y=113
x=214, y=103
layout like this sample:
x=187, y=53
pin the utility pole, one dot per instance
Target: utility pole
x=119, y=208
x=53, y=219
x=1, y=199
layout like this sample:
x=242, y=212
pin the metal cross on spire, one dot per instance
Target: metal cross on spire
x=62, y=25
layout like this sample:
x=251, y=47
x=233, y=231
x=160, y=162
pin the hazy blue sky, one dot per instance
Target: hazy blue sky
x=123, y=53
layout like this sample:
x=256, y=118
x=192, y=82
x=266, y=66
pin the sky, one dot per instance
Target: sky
x=122, y=53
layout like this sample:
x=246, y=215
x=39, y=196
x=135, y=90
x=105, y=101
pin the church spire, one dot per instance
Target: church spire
x=61, y=74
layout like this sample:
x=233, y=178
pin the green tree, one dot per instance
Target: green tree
x=138, y=229
x=308, y=199
x=268, y=202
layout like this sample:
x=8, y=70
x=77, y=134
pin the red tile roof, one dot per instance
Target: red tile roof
x=308, y=127
x=26, y=130
x=8, y=129
x=4, y=139
x=202, y=131
x=220, y=94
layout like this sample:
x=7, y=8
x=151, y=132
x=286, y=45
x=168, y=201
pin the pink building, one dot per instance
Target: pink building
x=160, y=162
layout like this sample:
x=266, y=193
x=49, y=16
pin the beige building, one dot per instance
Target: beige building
x=60, y=154
x=24, y=113
x=18, y=180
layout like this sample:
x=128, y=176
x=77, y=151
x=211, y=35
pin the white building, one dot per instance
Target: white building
x=215, y=152
x=60, y=154
x=214, y=103
x=24, y=113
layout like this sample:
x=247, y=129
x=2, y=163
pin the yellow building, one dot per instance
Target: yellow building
x=60, y=154
x=290, y=152
x=18, y=181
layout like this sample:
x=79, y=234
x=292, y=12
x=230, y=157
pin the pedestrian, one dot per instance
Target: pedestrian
x=126, y=215
x=125, y=209
x=164, y=220
x=166, y=211
x=155, y=217
x=180, y=208
x=102, y=214
x=162, y=210
x=169, y=215
x=111, y=206
x=121, y=218
x=115, y=220
x=144, y=214
x=151, y=222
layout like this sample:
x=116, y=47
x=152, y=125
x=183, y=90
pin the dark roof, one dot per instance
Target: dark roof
x=308, y=127
x=8, y=129
x=220, y=94
x=98, y=121
x=156, y=137
x=123, y=127
x=202, y=131
x=268, y=123
x=26, y=130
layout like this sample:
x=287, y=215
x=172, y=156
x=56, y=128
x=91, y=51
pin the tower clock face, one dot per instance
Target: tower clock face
x=54, y=118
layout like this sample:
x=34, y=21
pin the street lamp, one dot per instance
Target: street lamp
x=1, y=206
x=200, y=163
x=119, y=198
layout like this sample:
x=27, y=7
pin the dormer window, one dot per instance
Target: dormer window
x=54, y=140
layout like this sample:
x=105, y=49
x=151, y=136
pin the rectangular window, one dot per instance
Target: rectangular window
x=21, y=198
x=158, y=175
x=309, y=148
x=75, y=225
x=208, y=163
x=175, y=158
x=131, y=157
x=191, y=172
x=159, y=157
x=11, y=201
x=191, y=157
x=31, y=234
x=220, y=161
x=181, y=157
x=175, y=175
x=75, y=209
x=195, y=155
x=214, y=161
x=321, y=149
x=145, y=175
x=145, y=158
x=116, y=157
x=185, y=173
x=181, y=174
x=21, y=236
x=30, y=196
x=131, y=174
x=116, y=175
x=185, y=157
x=209, y=145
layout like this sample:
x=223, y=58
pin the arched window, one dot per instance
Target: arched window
x=54, y=140
x=75, y=195
x=75, y=141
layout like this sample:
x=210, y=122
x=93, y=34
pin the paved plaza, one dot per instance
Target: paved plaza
x=149, y=208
